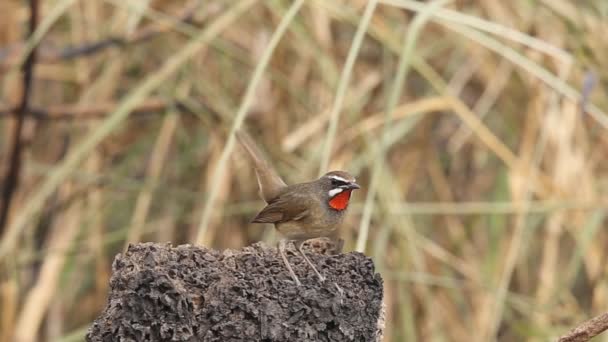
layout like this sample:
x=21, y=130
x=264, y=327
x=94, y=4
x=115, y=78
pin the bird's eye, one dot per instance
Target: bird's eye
x=336, y=183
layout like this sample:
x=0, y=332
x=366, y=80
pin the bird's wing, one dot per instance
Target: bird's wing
x=289, y=206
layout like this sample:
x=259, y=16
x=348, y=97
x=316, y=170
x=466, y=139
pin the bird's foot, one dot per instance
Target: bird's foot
x=341, y=292
x=286, y=262
x=312, y=266
x=296, y=280
x=339, y=289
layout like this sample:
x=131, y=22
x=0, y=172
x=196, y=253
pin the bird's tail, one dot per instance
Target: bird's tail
x=269, y=181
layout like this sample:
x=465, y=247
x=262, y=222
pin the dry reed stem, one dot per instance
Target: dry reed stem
x=39, y=298
x=158, y=159
x=441, y=185
x=375, y=120
x=405, y=58
x=334, y=115
x=222, y=184
x=542, y=185
x=482, y=106
x=9, y=295
x=94, y=210
x=485, y=135
x=220, y=168
x=562, y=169
x=298, y=136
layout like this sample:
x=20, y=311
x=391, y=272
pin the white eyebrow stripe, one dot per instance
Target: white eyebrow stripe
x=334, y=192
x=339, y=178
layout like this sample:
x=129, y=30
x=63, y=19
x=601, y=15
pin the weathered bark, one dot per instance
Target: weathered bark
x=189, y=293
x=587, y=330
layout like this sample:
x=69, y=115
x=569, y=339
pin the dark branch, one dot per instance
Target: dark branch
x=86, y=111
x=11, y=179
x=99, y=110
x=587, y=330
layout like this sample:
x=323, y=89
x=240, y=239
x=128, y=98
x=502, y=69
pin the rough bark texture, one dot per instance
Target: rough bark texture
x=189, y=293
x=587, y=330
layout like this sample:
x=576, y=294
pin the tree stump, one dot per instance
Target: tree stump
x=190, y=293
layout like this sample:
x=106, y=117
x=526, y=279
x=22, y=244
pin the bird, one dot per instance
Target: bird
x=302, y=211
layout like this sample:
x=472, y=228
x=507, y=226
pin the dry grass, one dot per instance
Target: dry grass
x=477, y=128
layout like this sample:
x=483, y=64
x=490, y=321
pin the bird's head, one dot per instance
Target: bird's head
x=338, y=186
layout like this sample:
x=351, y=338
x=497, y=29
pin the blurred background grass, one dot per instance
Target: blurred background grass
x=477, y=129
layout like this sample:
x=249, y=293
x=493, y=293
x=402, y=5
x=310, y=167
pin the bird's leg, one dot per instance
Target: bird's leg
x=321, y=277
x=338, y=245
x=291, y=272
x=299, y=246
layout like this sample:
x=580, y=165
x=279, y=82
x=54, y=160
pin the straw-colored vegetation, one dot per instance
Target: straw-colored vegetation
x=477, y=129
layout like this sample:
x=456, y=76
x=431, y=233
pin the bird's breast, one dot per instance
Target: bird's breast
x=340, y=201
x=296, y=230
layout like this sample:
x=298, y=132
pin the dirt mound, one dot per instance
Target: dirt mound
x=189, y=293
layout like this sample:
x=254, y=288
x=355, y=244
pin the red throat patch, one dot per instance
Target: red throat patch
x=340, y=201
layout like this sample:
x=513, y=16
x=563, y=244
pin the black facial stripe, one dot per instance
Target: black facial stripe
x=336, y=183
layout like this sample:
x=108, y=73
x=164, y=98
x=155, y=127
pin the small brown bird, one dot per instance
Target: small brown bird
x=300, y=211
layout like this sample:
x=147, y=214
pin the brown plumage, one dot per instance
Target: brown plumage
x=300, y=211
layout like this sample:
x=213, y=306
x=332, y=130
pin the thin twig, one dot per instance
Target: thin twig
x=51, y=55
x=587, y=330
x=345, y=77
x=96, y=110
x=11, y=179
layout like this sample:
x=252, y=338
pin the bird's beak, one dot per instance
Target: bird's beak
x=351, y=186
